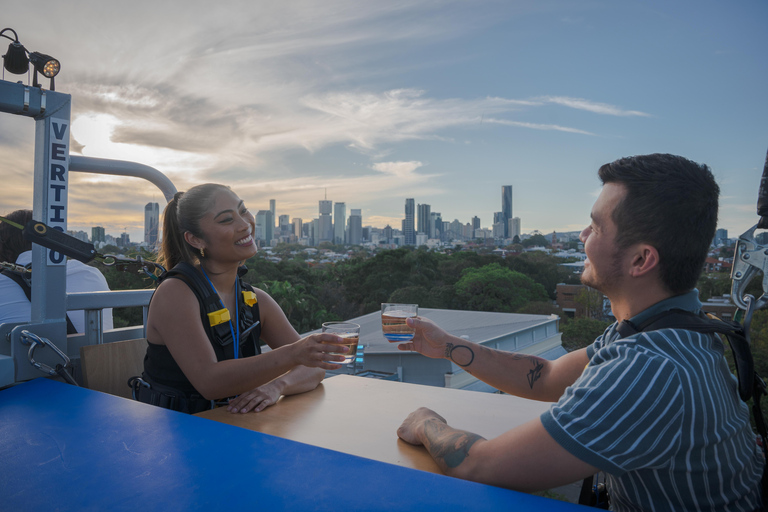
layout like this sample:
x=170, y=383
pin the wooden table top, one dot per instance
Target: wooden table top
x=360, y=416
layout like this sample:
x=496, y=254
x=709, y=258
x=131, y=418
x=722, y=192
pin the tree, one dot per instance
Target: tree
x=581, y=332
x=536, y=241
x=591, y=302
x=495, y=288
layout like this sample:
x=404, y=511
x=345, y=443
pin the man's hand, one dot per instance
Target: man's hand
x=412, y=429
x=428, y=339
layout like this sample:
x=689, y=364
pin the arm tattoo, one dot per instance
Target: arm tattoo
x=448, y=446
x=465, y=354
x=534, y=373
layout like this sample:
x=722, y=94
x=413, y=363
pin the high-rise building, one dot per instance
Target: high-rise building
x=98, y=235
x=423, y=220
x=272, y=208
x=151, y=223
x=506, y=208
x=475, y=223
x=314, y=232
x=721, y=237
x=436, y=225
x=267, y=224
x=325, y=224
x=297, y=227
x=409, y=231
x=339, y=223
x=355, y=227
x=514, y=227
x=284, y=225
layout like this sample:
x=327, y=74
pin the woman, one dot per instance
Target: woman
x=194, y=357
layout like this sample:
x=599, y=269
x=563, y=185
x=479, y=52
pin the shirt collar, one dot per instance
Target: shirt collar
x=688, y=301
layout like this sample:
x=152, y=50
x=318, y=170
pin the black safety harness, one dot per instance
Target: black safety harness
x=751, y=385
x=215, y=320
x=24, y=280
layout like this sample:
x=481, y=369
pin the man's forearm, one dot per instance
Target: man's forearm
x=517, y=374
x=449, y=447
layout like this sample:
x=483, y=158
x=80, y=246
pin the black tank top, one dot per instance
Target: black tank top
x=159, y=365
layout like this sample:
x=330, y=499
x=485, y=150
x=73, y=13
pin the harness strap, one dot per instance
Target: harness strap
x=149, y=392
x=750, y=383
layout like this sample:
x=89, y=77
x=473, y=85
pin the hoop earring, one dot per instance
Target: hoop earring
x=202, y=252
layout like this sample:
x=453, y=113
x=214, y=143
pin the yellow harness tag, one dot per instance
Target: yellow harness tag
x=218, y=317
x=249, y=297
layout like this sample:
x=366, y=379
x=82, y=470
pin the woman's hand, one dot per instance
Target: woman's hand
x=256, y=399
x=428, y=339
x=319, y=351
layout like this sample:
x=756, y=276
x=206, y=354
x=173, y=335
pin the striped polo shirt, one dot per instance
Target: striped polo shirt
x=659, y=413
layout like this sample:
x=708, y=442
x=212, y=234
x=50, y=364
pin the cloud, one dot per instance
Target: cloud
x=399, y=169
x=538, y=126
x=591, y=106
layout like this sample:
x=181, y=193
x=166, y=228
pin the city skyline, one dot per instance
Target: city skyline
x=441, y=101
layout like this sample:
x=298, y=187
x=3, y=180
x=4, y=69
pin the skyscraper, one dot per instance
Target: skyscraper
x=339, y=222
x=265, y=221
x=284, y=224
x=272, y=207
x=297, y=227
x=436, y=225
x=423, y=220
x=409, y=232
x=355, y=227
x=514, y=227
x=325, y=225
x=506, y=208
x=98, y=234
x=151, y=223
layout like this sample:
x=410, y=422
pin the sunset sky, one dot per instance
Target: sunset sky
x=371, y=102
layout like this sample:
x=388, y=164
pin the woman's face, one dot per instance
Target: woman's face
x=227, y=229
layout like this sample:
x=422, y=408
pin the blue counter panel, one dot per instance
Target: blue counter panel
x=68, y=448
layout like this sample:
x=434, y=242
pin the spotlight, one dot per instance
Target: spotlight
x=45, y=64
x=15, y=60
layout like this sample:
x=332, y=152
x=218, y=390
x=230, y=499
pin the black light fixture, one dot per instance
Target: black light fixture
x=17, y=62
x=46, y=65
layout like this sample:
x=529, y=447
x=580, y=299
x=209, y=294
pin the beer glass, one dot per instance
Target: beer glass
x=393, y=318
x=351, y=334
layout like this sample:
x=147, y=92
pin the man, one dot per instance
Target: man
x=658, y=411
x=14, y=304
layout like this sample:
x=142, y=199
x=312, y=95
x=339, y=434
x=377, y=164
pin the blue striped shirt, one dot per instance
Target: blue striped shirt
x=659, y=413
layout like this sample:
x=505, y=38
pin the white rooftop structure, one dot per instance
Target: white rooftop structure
x=529, y=334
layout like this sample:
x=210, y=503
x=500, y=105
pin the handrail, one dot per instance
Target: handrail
x=123, y=168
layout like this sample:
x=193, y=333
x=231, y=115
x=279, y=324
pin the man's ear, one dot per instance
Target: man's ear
x=194, y=241
x=644, y=259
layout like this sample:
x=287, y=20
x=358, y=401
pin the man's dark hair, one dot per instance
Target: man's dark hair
x=671, y=204
x=12, y=243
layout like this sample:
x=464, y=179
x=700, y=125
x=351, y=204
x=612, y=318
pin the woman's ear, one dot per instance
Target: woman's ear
x=196, y=242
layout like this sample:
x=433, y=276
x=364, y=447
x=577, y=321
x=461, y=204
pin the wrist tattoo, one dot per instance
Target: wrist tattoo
x=447, y=445
x=462, y=352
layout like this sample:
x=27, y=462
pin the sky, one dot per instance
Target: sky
x=371, y=102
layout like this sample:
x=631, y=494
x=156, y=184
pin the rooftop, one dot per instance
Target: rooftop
x=477, y=326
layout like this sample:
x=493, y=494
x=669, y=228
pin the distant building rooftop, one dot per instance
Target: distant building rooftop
x=529, y=334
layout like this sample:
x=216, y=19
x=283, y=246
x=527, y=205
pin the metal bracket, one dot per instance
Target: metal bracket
x=749, y=259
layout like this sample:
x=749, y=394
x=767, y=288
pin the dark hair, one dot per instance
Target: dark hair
x=182, y=214
x=671, y=204
x=12, y=243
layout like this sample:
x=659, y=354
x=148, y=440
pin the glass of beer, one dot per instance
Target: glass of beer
x=351, y=334
x=393, y=321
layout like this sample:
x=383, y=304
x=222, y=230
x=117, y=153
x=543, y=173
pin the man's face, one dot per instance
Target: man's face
x=603, y=268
